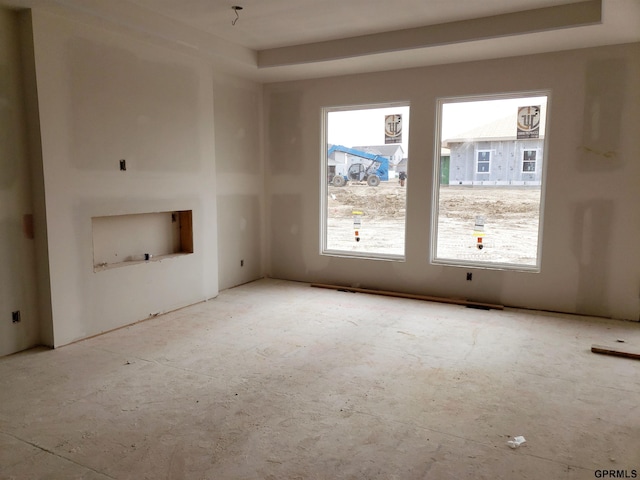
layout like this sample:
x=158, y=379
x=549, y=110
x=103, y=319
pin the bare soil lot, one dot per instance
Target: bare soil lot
x=511, y=217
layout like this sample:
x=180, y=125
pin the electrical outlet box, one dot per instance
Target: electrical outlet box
x=15, y=316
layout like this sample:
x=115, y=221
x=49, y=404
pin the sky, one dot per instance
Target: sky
x=366, y=126
x=461, y=117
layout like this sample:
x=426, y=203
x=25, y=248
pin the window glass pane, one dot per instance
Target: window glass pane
x=529, y=161
x=484, y=159
x=489, y=201
x=365, y=180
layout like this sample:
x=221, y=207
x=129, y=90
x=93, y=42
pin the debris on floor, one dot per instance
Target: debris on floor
x=614, y=351
x=516, y=442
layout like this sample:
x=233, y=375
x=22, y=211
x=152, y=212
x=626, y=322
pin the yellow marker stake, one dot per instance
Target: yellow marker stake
x=357, y=224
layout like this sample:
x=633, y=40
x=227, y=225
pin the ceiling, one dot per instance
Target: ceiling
x=290, y=39
x=277, y=23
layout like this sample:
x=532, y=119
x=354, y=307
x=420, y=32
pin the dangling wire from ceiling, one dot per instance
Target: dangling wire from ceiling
x=236, y=8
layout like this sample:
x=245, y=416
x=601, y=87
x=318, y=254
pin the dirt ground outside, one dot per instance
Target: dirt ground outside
x=511, y=217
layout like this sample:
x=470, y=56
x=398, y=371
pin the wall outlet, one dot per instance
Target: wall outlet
x=469, y=276
x=15, y=316
x=242, y=263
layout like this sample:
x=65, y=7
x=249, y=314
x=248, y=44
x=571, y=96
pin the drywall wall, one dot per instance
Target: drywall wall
x=240, y=179
x=104, y=97
x=18, y=290
x=34, y=148
x=591, y=222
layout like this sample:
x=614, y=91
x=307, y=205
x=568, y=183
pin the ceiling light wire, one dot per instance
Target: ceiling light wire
x=236, y=8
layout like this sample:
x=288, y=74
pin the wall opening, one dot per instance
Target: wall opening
x=121, y=240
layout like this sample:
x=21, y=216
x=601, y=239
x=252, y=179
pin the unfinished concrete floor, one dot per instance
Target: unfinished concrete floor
x=278, y=380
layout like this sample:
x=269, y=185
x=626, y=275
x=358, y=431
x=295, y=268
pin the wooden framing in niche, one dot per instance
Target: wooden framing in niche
x=185, y=217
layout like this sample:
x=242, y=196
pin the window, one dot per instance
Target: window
x=529, y=161
x=484, y=162
x=363, y=174
x=488, y=200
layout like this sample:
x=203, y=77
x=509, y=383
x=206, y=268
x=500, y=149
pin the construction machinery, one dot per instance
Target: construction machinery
x=350, y=165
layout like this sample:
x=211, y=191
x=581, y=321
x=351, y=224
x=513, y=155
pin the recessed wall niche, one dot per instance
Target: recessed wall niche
x=121, y=240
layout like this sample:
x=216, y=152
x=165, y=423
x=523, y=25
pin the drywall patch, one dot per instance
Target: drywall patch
x=122, y=104
x=237, y=124
x=604, y=104
x=239, y=239
x=593, y=222
x=12, y=284
x=285, y=132
x=288, y=239
x=8, y=134
x=17, y=292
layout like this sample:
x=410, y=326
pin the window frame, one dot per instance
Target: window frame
x=433, y=241
x=534, y=161
x=324, y=163
x=488, y=162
